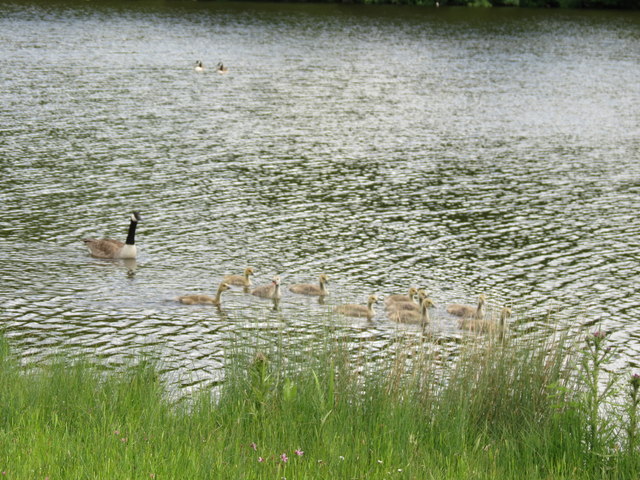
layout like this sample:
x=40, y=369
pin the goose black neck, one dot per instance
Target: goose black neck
x=131, y=236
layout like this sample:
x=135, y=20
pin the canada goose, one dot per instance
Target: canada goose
x=401, y=298
x=108, y=248
x=221, y=68
x=204, y=299
x=481, y=325
x=410, y=305
x=409, y=316
x=272, y=290
x=239, y=280
x=306, y=289
x=353, y=310
x=199, y=66
x=468, y=310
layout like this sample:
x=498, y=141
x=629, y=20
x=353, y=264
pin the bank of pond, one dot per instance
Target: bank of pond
x=502, y=408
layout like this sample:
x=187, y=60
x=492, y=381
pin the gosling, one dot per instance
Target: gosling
x=480, y=325
x=272, y=290
x=466, y=311
x=240, y=280
x=412, y=305
x=409, y=316
x=204, y=299
x=401, y=298
x=307, y=289
x=354, y=310
x=109, y=248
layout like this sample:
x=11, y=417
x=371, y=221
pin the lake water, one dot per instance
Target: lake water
x=463, y=151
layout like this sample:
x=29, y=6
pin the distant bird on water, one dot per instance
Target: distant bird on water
x=220, y=68
x=199, y=66
x=109, y=248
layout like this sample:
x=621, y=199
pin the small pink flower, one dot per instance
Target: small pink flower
x=254, y=446
x=260, y=459
x=284, y=458
x=299, y=452
x=116, y=432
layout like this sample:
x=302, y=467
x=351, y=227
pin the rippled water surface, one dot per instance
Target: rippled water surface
x=462, y=151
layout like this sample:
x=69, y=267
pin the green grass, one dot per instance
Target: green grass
x=498, y=410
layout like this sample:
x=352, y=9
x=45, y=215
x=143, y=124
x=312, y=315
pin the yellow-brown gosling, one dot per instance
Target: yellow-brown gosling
x=272, y=290
x=482, y=325
x=468, y=310
x=409, y=316
x=240, y=280
x=354, y=310
x=412, y=305
x=108, y=248
x=220, y=68
x=307, y=289
x=204, y=299
x=401, y=298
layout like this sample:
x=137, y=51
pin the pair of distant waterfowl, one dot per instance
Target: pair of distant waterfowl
x=400, y=308
x=220, y=68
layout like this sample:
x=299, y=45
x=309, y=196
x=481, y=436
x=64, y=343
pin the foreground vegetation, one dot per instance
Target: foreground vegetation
x=500, y=409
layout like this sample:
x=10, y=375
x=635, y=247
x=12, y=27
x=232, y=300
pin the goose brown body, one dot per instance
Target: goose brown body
x=110, y=248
